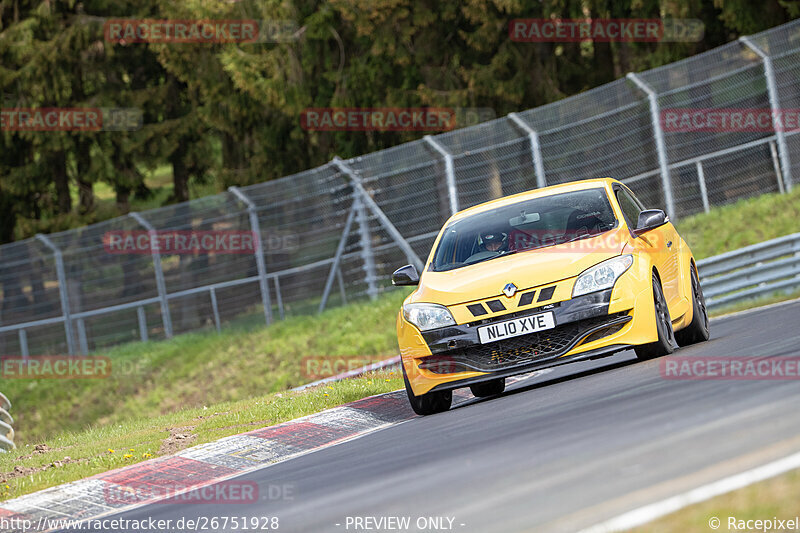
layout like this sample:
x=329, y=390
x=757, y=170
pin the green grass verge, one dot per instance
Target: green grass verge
x=766, y=500
x=742, y=223
x=205, y=368
x=75, y=455
x=756, y=302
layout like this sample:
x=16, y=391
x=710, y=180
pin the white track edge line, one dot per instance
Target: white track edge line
x=648, y=513
x=754, y=309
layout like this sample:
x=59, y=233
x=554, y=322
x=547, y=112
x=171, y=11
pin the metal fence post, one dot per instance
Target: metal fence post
x=342, y=290
x=701, y=179
x=776, y=164
x=82, y=341
x=166, y=317
x=62, y=291
x=215, y=309
x=260, y=263
x=278, y=297
x=23, y=343
x=536, y=149
x=365, y=198
x=338, y=256
x=772, y=92
x=367, y=254
x=142, y=323
x=449, y=170
x=661, y=147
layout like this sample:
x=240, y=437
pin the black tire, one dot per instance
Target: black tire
x=665, y=344
x=697, y=330
x=488, y=388
x=429, y=403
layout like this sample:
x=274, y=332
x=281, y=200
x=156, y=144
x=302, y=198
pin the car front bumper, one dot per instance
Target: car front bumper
x=587, y=327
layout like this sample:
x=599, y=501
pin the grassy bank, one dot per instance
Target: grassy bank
x=202, y=369
x=745, y=222
x=69, y=456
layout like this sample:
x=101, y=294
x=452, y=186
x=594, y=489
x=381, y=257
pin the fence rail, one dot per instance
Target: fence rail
x=751, y=272
x=353, y=221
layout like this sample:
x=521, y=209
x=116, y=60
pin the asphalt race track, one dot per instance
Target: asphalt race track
x=558, y=452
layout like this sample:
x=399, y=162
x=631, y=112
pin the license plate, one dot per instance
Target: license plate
x=516, y=327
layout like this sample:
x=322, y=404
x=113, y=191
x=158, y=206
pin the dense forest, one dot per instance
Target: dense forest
x=222, y=114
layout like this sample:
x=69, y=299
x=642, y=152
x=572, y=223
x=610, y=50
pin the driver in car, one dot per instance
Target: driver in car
x=494, y=242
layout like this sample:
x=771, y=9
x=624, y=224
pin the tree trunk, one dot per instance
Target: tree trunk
x=13, y=295
x=123, y=199
x=85, y=186
x=59, y=167
x=180, y=173
x=233, y=160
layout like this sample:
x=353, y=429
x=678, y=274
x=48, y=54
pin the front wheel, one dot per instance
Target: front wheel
x=664, y=344
x=429, y=403
x=697, y=330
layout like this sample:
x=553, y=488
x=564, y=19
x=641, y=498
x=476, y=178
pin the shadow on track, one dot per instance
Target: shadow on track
x=547, y=381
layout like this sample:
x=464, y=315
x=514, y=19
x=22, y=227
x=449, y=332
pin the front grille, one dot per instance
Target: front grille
x=547, y=293
x=520, y=350
x=496, y=306
x=477, y=310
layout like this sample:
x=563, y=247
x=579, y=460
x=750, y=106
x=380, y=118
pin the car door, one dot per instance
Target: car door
x=660, y=243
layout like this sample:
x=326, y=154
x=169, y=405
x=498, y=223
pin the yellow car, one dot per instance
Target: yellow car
x=542, y=278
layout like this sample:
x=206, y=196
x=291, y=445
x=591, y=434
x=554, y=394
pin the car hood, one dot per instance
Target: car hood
x=524, y=269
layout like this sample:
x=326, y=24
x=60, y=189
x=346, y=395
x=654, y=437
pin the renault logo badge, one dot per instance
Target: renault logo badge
x=509, y=289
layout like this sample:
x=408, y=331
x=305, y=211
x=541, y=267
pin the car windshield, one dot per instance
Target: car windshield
x=525, y=225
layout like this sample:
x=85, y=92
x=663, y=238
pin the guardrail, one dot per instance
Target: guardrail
x=751, y=272
x=6, y=431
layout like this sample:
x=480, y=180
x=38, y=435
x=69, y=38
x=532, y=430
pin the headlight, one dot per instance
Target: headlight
x=602, y=275
x=428, y=316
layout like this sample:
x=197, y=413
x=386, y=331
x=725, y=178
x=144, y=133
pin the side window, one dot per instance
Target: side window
x=635, y=199
x=630, y=207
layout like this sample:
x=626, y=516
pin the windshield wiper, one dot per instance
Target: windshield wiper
x=499, y=254
x=579, y=237
x=505, y=252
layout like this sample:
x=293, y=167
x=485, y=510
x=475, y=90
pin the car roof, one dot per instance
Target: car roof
x=578, y=185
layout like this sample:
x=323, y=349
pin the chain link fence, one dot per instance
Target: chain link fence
x=335, y=233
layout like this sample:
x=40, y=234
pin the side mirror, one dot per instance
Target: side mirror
x=406, y=275
x=650, y=219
